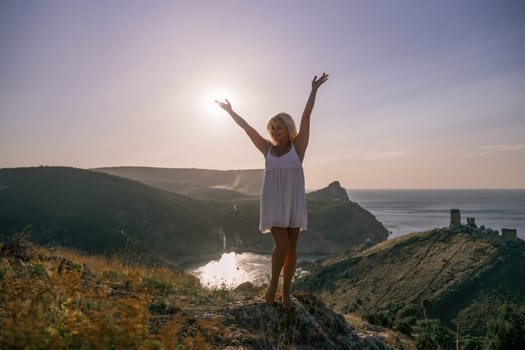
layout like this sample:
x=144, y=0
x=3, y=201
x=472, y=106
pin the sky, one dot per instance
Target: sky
x=421, y=94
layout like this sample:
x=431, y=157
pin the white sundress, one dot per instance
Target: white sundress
x=283, y=197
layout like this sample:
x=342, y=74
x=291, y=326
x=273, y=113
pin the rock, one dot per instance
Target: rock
x=335, y=223
x=245, y=287
x=308, y=325
x=334, y=191
x=374, y=343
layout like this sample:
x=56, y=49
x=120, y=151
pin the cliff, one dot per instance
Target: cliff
x=336, y=223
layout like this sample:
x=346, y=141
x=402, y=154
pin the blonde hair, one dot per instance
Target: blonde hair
x=287, y=120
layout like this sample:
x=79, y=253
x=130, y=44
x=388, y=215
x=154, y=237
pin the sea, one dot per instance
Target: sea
x=407, y=211
x=400, y=211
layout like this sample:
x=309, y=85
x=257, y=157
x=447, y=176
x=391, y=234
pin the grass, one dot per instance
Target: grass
x=63, y=299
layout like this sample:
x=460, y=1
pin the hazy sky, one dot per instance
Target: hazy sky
x=422, y=94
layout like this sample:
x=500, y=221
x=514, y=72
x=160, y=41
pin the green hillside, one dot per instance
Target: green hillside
x=334, y=223
x=460, y=276
x=101, y=213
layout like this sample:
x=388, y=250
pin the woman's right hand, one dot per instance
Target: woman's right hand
x=225, y=105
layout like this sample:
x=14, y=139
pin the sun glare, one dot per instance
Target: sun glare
x=228, y=271
x=211, y=108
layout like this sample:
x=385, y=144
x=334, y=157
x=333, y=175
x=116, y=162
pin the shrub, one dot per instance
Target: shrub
x=381, y=318
x=404, y=325
x=157, y=285
x=507, y=329
x=430, y=335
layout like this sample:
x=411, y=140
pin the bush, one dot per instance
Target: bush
x=507, y=329
x=430, y=335
x=157, y=285
x=468, y=343
x=381, y=318
x=412, y=311
x=404, y=325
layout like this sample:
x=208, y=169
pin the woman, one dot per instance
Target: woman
x=283, y=197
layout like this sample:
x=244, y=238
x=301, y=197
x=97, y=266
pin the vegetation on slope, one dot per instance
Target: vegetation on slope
x=334, y=223
x=460, y=279
x=101, y=213
x=61, y=299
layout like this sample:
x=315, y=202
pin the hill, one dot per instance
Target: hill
x=194, y=181
x=334, y=222
x=97, y=212
x=100, y=213
x=460, y=276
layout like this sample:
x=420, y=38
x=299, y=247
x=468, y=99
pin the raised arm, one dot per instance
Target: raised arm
x=260, y=142
x=301, y=141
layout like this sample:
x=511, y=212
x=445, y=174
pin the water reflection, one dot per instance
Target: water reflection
x=233, y=269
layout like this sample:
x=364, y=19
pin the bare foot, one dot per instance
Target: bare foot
x=287, y=302
x=269, y=297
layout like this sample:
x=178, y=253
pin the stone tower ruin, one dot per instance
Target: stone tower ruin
x=455, y=217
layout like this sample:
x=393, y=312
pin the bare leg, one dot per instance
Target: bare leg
x=289, y=265
x=280, y=237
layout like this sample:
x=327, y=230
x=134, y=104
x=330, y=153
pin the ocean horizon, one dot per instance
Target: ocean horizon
x=404, y=211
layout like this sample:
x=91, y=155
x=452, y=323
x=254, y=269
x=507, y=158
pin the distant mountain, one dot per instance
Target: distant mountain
x=459, y=276
x=194, y=181
x=97, y=213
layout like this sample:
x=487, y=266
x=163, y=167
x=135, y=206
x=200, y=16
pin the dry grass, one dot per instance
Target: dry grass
x=63, y=299
x=392, y=338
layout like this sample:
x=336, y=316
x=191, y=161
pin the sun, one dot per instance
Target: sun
x=211, y=108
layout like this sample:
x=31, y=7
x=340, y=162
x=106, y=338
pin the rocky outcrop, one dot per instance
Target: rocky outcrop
x=308, y=325
x=332, y=192
x=335, y=223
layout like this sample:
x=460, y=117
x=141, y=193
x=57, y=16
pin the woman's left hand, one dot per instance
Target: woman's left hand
x=316, y=83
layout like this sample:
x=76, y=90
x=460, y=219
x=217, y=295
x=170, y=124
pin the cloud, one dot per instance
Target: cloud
x=493, y=149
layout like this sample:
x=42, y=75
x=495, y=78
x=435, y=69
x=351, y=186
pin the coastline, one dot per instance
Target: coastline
x=414, y=210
